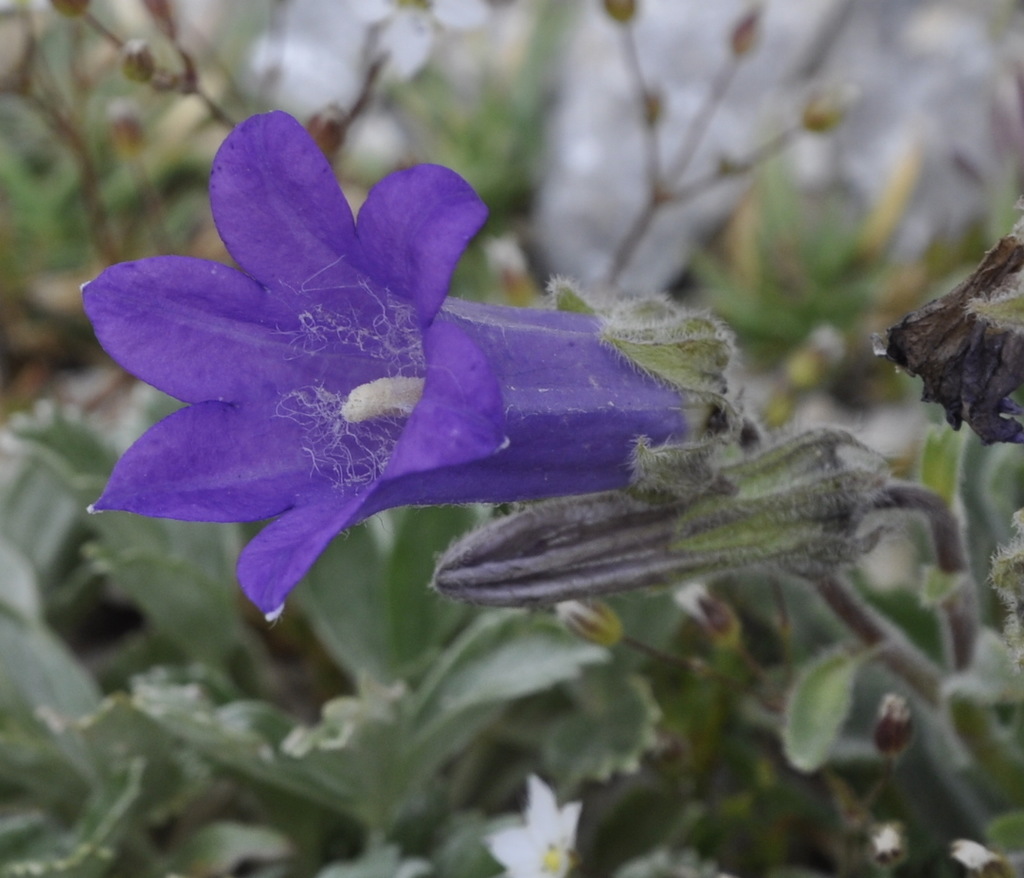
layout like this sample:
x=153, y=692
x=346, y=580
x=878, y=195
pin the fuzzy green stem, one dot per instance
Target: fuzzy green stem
x=874, y=630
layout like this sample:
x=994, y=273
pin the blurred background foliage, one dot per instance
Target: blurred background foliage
x=152, y=723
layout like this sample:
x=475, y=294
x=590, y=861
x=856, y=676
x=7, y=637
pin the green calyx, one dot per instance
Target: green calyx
x=796, y=506
x=687, y=349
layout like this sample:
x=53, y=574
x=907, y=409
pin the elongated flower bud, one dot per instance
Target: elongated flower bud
x=745, y=33
x=795, y=506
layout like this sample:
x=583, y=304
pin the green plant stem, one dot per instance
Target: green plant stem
x=874, y=630
x=187, y=82
x=68, y=134
x=663, y=187
x=362, y=100
x=701, y=668
x=960, y=609
x=652, y=159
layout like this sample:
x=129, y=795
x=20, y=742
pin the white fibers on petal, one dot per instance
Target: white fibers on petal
x=347, y=453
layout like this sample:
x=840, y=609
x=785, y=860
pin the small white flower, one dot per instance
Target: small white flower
x=970, y=854
x=887, y=844
x=543, y=848
x=407, y=26
x=979, y=860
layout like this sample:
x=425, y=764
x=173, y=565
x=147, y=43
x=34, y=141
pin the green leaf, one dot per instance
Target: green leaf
x=41, y=518
x=992, y=677
x=173, y=775
x=381, y=862
x=1007, y=831
x=501, y=656
x=662, y=863
x=28, y=836
x=378, y=749
x=37, y=670
x=939, y=585
x=942, y=462
x=613, y=724
x=20, y=589
x=222, y=848
x=89, y=849
x=247, y=737
x=818, y=705
x=372, y=609
x=163, y=567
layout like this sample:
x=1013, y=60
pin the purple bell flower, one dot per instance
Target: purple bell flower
x=330, y=379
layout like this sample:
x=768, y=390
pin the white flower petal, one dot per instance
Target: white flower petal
x=514, y=849
x=541, y=808
x=407, y=38
x=461, y=14
x=373, y=11
x=543, y=847
x=568, y=819
x=971, y=855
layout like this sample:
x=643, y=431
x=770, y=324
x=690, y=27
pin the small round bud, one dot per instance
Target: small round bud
x=745, y=33
x=125, y=128
x=327, y=128
x=507, y=261
x=824, y=111
x=654, y=106
x=888, y=844
x=713, y=615
x=137, y=62
x=71, y=8
x=620, y=10
x=979, y=861
x=894, y=726
x=594, y=621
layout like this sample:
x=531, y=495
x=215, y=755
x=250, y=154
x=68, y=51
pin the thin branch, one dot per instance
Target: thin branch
x=960, y=609
x=875, y=630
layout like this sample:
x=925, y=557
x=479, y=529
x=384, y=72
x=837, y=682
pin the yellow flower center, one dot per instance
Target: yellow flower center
x=553, y=861
x=384, y=396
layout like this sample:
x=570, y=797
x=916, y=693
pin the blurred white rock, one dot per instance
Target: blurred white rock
x=312, y=56
x=926, y=72
x=938, y=102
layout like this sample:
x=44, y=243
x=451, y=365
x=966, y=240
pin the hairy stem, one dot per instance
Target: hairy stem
x=873, y=629
x=960, y=609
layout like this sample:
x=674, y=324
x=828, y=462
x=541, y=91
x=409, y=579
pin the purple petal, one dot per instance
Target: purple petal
x=461, y=415
x=413, y=228
x=282, y=553
x=194, y=329
x=277, y=204
x=213, y=462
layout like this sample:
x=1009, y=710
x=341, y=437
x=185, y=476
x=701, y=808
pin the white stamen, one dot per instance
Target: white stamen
x=274, y=614
x=385, y=396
